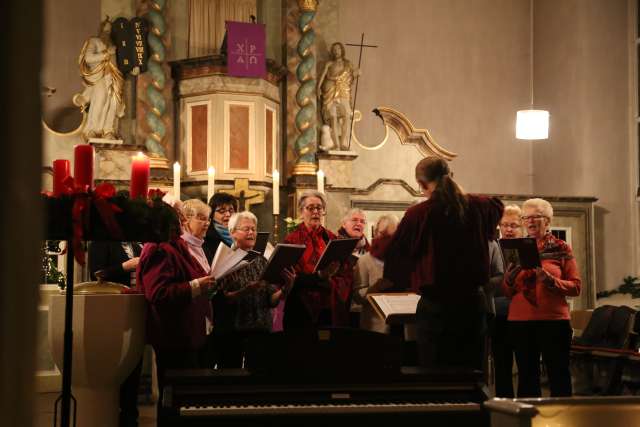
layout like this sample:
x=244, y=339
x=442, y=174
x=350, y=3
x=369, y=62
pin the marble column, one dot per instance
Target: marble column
x=301, y=89
x=155, y=88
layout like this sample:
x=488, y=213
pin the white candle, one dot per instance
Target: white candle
x=320, y=177
x=211, y=172
x=276, y=192
x=176, y=180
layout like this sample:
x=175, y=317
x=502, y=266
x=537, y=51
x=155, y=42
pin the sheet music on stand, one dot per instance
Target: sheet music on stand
x=395, y=307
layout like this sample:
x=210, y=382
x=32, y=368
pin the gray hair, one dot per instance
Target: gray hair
x=236, y=217
x=350, y=213
x=385, y=222
x=541, y=205
x=311, y=193
x=193, y=207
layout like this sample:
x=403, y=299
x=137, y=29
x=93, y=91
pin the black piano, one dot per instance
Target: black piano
x=325, y=377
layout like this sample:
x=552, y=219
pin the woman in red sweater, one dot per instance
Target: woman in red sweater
x=539, y=313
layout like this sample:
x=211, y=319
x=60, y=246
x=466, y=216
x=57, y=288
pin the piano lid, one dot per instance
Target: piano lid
x=324, y=354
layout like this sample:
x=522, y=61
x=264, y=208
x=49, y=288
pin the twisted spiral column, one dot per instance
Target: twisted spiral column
x=155, y=97
x=306, y=143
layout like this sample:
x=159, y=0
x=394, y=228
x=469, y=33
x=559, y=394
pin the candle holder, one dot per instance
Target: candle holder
x=276, y=237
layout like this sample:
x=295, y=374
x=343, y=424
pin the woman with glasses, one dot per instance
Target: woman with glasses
x=196, y=216
x=539, y=313
x=222, y=205
x=317, y=298
x=242, y=308
x=353, y=227
x=501, y=349
x=176, y=287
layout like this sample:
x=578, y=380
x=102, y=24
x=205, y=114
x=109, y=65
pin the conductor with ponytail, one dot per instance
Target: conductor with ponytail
x=441, y=251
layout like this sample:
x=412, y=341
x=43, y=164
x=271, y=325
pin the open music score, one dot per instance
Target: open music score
x=395, y=307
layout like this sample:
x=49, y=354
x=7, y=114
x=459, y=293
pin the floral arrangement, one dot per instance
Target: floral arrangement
x=104, y=214
x=291, y=224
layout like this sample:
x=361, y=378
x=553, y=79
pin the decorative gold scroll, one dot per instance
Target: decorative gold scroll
x=407, y=134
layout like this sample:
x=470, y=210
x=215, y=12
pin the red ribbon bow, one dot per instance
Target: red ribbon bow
x=107, y=210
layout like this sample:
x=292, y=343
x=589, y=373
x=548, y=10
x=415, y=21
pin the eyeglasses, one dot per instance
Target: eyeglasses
x=315, y=208
x=531, y=217
x=246, y=229
x=511, y=225
x=223, y=211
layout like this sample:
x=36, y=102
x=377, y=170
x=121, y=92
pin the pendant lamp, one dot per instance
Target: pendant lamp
x=532, y=124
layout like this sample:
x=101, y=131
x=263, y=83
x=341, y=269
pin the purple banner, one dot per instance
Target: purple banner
x=246, y=49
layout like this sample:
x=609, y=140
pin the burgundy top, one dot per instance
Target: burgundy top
x=433, y=253
x=311, y=289
x=175, y=320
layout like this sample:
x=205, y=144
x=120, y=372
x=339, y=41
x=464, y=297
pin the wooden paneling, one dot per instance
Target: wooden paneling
x=199, y=130
x=268, y=143
x=239, y=137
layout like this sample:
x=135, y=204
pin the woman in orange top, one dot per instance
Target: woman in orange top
x=539, y=313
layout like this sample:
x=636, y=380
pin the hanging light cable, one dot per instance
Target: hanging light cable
x=532, y=124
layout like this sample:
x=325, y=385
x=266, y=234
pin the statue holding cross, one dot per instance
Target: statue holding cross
x=334, y=87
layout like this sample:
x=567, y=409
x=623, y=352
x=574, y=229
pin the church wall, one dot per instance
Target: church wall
x=178, y=18
x=457, y=68
x=66, y=25
x=117, y=8
x=270, y=13
x=581, y=69
x=461, y=70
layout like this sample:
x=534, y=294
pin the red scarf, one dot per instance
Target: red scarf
x=315, y=245
x=315, y=300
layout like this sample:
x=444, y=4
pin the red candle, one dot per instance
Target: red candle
x=83, y=166
x=139, y=176
x=61, y=170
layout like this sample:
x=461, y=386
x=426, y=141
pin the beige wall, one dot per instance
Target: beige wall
x=461, y=69
x=270, y=13
x=178, y=19
x=67, y=24
x=582, y=79
x=458, y=68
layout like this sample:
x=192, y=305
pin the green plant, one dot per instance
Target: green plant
x=50, y=272
x=630, y=285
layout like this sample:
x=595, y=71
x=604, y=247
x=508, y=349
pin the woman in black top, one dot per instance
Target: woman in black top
x=223, y=205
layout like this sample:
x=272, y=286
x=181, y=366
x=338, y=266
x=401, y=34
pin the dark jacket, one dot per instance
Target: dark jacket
x=109, y=256
x=211, y=242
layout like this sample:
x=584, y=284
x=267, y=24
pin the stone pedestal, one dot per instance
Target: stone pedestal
x=113, y=164
x=337, y=167
x=108, y=339
x=105, y=141
x=113, y=161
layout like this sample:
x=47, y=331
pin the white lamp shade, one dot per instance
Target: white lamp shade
x=532, y=124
